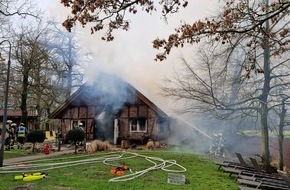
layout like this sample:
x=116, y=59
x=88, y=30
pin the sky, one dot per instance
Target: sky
x=131, y=55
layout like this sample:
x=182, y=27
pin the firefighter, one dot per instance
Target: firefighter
x=21, y=133
x=221, y=146
x=82, y=143
x=11, y=135
x=59, y=138
x=81, y=126
x=214, y=144
x=12, y=129
x=8, y=135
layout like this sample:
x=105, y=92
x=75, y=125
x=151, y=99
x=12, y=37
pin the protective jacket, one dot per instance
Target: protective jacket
x=21, y=131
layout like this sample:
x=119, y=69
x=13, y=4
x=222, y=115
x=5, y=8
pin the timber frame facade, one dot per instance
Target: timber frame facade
x=129, y=116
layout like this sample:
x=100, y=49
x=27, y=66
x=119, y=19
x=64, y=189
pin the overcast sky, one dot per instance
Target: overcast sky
x=131, y=55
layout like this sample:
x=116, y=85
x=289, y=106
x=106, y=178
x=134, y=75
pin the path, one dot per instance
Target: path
x=37, y=156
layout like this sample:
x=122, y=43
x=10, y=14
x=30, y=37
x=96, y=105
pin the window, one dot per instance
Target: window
x=133, y=125
x=142, y=125
x=74, y=124
x=138, y=125
x=78, y=123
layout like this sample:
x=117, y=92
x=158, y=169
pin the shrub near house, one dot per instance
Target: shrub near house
x=75, y=135
x=36, y=136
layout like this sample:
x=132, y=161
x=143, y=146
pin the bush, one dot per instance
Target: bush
x=75, y=135
x=36, y=136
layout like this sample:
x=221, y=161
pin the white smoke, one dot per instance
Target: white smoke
x=112, y=90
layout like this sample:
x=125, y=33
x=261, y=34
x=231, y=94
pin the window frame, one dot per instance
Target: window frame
x=138, y=127
x=76, y=122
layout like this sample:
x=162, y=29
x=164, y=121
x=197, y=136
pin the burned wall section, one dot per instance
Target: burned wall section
x=82, y=113
x=140, y=113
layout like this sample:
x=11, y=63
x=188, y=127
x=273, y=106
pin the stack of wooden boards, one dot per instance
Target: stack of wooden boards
x=251, y=176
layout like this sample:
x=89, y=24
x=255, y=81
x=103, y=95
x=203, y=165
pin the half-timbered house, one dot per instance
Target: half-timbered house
x=112, y=109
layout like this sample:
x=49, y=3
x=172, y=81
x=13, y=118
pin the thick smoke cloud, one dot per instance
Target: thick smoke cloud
x=131, y=55
x=112, y=89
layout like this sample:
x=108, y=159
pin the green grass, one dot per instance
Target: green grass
x=201, y=174
x=286, y=134
x=257, y=133
x=16, y=153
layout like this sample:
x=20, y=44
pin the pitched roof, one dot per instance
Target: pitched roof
x=17, y=113
x=76, y=95
x=147, y=101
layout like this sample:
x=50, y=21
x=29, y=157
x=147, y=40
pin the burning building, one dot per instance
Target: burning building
x=112, y=109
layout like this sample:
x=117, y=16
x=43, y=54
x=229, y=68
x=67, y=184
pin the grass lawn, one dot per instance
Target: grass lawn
x=201, y=173
x=257, y=133
x=16, y=153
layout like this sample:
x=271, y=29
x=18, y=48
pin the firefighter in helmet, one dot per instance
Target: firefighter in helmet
x=11, y=134
x=221, y=145
x=82, y=127
x=21, y=133
x=214, y=144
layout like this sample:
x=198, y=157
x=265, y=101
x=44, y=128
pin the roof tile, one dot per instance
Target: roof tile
x=17, y=113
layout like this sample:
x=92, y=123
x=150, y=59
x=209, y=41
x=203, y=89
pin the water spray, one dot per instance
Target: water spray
x=202, y=132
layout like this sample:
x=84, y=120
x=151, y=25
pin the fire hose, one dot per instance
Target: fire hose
x=106, y=159
x=163, y=165
x=49, y=166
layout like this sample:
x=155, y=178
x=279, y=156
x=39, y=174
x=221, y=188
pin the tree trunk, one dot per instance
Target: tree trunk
x=24, y=92
x=37, y=83
x=281, y=135
x=264, y=97
x=59, y=144
x=69, y=82
x=70, y=67
x=280, y=144
x=33, y=147
x=76, y=147
x=265, y=137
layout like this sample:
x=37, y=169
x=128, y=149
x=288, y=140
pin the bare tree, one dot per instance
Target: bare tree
x=21, y=8
x=282, y=114
x=263, y=29
x=11, y=10
x=30, y=54
x=231, y=91
x=67, y=51
x=38, y=76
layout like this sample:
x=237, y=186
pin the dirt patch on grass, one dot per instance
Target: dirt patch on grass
x=23, y=187
x=60, y=188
